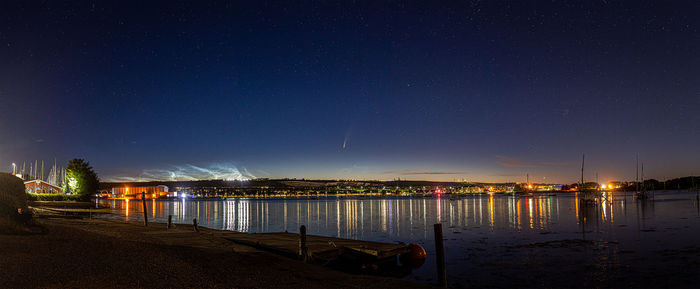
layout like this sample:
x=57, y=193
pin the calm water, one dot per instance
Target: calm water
x=490, y=240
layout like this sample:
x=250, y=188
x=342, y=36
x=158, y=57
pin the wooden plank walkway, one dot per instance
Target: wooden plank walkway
x=320, y=249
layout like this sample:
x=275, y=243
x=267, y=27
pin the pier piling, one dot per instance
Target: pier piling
x=145, y=212
x=194, y=223
x=440, y=255
x=170, y=221
x=303, y=250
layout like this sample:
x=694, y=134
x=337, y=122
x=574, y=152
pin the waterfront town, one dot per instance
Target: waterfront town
x=311, y=188
x=54, y=181
x=56, y=178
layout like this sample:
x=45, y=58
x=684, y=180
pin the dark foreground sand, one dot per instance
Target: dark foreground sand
x=111, y=254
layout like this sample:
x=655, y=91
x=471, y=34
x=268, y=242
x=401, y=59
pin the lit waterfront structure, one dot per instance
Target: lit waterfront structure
x=618, y=184
x=42, y=187
x=152, y=192
x=547, y=188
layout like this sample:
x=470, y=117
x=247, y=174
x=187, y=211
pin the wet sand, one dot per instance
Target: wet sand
x=113, y=254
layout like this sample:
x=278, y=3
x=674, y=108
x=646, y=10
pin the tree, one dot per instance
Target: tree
x=81, y=180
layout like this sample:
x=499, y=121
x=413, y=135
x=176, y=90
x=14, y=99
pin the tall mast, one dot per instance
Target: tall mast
x=643, y=187
x=636, y=177
x=583, y=161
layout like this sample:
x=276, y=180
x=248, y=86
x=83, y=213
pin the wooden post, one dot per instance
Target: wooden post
x=440, y=254
x=303, y=250
x=145, y=211
x=194, y=223
x=170, y=221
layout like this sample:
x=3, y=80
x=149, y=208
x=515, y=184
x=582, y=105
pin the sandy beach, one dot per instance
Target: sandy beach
x=113, y=254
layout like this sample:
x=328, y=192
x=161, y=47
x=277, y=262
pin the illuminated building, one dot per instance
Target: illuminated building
x=42, y=187
x=135, y=192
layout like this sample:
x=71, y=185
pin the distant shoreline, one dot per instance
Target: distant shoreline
x=302, y=187
x=377, y=196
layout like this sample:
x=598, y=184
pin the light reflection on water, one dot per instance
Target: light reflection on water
x=479, y=229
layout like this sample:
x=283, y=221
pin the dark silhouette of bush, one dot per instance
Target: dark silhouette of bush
x=13, y=198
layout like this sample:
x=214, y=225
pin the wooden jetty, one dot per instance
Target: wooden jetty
x=66, y=209
x=323, y=250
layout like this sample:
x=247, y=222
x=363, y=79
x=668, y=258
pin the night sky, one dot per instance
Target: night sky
x=475, y=90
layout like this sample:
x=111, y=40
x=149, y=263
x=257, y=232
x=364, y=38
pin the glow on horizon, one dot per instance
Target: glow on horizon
x=229, y=171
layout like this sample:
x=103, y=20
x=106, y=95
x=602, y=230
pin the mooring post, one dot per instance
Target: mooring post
x=170, y=221
x=303, y=251
x=194, y=223
x=440, y=254
x=145, y=212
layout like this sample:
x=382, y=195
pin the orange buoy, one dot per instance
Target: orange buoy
x=415, y=257
x=416, y=252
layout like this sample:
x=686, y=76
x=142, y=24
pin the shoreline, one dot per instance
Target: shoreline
x=98, y=253
x=363, y=196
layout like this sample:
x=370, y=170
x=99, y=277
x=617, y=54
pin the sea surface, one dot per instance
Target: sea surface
x=552, y=240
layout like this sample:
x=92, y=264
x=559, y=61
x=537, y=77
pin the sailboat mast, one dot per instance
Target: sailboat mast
x=643, y=187
x=636, y=176
x=583, y=161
